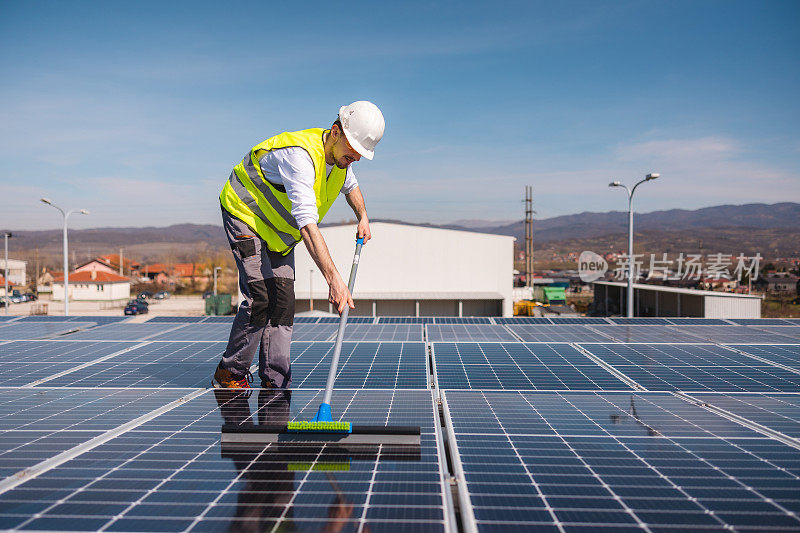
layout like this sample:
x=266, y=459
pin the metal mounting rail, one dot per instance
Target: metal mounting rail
x=616, y=373
x=755, y=426
x=82, y=366
x=757, y=358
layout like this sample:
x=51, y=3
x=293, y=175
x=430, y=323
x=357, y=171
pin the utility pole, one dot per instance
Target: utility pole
x=529, y=235
x=6, y=236
x=36, y=275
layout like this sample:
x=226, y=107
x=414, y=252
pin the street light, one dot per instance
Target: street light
x=215, y=279
x=6, y=236
x=630, y=192
x=66, y=215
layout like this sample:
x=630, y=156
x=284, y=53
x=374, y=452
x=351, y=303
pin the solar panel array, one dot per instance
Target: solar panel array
x=551, y=424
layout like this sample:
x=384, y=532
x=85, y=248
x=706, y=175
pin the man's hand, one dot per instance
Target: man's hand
x=363, y=229
x=339, y=295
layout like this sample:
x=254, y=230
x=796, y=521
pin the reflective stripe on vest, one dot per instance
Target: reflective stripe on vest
x=251, y=198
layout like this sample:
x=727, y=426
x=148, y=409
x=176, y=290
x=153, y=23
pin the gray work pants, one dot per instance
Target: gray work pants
x=266, y=315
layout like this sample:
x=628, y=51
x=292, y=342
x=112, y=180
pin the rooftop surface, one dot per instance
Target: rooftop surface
x=548, y=424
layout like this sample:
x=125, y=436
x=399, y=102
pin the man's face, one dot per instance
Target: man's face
x=343, y=153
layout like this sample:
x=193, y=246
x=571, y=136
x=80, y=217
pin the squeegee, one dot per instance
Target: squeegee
x=322, y=428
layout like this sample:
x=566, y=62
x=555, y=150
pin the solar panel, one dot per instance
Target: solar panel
x=580, y=320
x=698, y=322
x=172, y=473
x=792, y=321
x=8, y=318
x=734, y=334
x=639, y=333
x=783, y=331
x=350, y=320
x=156, y=365
x=16, y=354
x=36, y=424
x=123, y=332
x=362, y=365
x=221, y=319
x=306, y=319
x=461, y=320
x=204, y=331
x=541, y=435
x=583, y=461
x=180, y=319
x=468, y=332
x=518, y=366
x=405, y=320
x=99, y=320
x=29, y=362
x=522, y=320
x=39, y=330
x=760, y=321
x=539, y=333
x=640, y=321
x=779, y=412
x=786, y=355
x=313, y=332
x=383, y=332
x=694, y=367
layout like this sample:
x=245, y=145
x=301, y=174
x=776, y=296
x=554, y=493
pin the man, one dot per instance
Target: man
x=274, y=199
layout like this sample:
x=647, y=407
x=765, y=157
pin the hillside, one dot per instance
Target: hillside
x=771, y=230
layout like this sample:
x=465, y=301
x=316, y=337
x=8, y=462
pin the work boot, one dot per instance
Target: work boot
x=225, y=379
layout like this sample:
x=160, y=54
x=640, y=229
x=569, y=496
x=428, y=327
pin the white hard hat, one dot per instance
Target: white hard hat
x=363, y=125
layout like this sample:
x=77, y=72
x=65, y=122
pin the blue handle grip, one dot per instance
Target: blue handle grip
x=359, y=240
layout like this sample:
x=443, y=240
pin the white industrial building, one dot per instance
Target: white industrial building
x=610, y=297
x=410, y=270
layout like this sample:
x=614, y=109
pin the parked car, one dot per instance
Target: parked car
x=161, y=295
x=15, y=299
x=31, y=296
x=136, y=307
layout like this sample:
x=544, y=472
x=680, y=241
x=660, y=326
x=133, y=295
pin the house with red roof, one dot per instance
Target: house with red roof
x=93, y=285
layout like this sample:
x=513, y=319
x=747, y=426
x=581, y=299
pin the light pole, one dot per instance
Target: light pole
x=630, y=192
x=215, y=279
x=6, y=236
x=66, y=215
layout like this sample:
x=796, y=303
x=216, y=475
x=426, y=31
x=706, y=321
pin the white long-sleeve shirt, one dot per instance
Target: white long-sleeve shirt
x=293, y=168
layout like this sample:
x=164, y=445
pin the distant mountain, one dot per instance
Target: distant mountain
x=761, y=227
x=586, y=225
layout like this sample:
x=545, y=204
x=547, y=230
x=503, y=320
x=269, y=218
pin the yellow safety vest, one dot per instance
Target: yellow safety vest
x=265, y=207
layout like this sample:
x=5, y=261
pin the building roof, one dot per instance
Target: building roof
x=466, y=295
x=185, y=270
x=96, y=260
x=94, y=276
x=113, y=259
x=421, y=228
x=662, y=288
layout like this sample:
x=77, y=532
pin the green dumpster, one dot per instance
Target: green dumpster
x=218, y=305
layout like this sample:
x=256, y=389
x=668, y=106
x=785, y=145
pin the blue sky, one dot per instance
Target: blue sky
x=137, y=111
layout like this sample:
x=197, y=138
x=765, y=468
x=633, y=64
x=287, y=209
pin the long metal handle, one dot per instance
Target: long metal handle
x=337, y=349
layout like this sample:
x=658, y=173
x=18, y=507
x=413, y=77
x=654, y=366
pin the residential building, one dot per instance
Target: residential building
x=16, y=271
x=93, y=285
